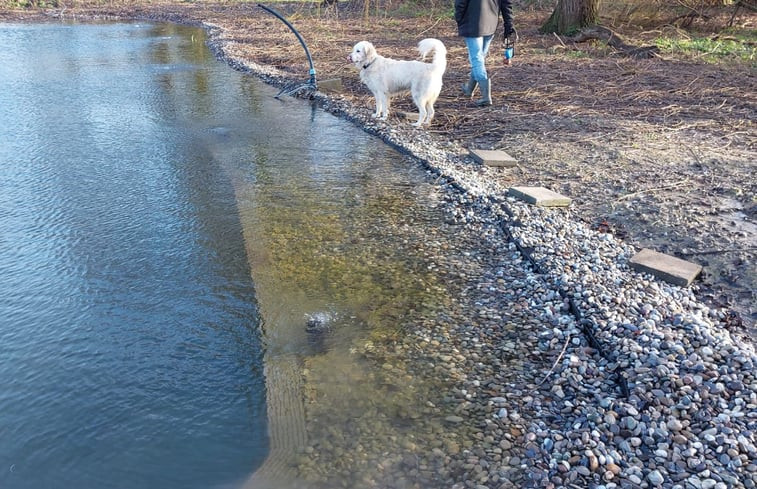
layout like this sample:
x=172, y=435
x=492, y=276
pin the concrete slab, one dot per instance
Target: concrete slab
x=331, y=85
x=492, y=157
x=665, y=267
x=540, y=196
x=410, y=116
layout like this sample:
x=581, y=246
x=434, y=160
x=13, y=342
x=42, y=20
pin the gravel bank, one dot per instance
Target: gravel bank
x=623, y=381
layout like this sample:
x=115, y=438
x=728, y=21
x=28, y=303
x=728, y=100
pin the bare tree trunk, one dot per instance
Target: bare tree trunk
x=570, y=16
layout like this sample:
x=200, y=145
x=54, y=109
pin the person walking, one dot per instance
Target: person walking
x=477, y=21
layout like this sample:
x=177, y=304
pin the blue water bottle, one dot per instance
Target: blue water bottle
x=510, y=46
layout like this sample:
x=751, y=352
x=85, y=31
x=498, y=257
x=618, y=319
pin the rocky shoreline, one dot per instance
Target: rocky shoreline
x=648, y=388
x=644, y=387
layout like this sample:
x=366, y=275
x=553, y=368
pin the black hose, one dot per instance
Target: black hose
x=299, y=37
x=587, y=325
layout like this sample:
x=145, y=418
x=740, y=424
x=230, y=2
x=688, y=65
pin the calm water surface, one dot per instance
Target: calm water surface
x=129, y=341
x=143, y=187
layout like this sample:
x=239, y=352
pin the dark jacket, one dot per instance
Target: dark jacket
x=478, y=18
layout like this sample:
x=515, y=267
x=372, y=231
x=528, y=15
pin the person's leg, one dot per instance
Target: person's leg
x=478, y=48
x=485, y=44
x=476, y=56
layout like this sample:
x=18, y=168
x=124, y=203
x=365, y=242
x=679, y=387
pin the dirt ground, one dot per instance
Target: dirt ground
x=659, y=151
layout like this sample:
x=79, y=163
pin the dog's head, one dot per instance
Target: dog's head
x=363, y=53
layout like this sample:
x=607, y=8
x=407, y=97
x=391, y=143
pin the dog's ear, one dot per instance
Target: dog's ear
x=370, y=51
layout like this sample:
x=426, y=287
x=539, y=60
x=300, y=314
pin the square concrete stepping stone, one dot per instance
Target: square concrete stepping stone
x=540, y=196
x=410, y=116
x=492, y=157
x=665, y=267
x=331, y=85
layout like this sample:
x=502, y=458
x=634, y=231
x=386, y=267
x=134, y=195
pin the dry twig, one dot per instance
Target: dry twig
x=664, y=187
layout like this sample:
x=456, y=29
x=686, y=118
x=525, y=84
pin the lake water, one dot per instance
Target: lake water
x=130, y=352
x=167, y=228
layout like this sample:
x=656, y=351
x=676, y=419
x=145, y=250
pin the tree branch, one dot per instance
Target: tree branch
x=614, y=40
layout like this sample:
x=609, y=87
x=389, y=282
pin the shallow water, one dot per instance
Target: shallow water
x=167, y=228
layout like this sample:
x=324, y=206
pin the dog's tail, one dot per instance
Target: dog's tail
x=439, y=61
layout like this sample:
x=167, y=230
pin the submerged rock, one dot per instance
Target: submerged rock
x=318, y=323
x=318, y=326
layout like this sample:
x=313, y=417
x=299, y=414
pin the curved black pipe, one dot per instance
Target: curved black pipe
x=299, y=37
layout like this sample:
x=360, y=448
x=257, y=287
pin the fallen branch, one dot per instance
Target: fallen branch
x=615, y=41
x=747, y=4
x=717, y=252
x=665, y=187
x=558, y=38
x=565, y=347
x=422, y=33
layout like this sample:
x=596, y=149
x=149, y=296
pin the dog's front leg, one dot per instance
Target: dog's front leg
x=382, y=106
x=379, y=108
x=423, y=116
x=429, y=114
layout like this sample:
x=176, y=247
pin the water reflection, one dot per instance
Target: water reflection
x=131, y=354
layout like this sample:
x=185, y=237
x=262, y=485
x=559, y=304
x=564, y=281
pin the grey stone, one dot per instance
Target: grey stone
x=665, y=267
x=410, y=116
x=331, y=85
x=492, y=157
x=453, y=419
x=540, y=196
x=655, y=478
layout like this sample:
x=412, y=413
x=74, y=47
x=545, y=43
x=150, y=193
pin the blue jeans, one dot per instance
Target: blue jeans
x=478, y=48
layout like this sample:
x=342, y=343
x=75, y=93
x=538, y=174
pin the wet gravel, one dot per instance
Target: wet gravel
x=557, y=366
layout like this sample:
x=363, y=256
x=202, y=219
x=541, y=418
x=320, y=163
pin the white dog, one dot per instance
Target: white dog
x=385, y=77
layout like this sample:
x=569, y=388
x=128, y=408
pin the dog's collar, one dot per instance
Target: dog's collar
x=365, y=67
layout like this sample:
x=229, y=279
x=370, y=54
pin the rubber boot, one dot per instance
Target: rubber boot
x=486, y=93
x=469, y=87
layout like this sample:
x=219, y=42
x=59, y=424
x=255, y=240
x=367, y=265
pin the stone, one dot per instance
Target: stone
x=665, y=267
x=492, y=157
x=331, y=85
x=452, y=447
x=410, y=116
x=540, y=196
x=655, y=478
